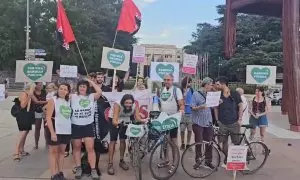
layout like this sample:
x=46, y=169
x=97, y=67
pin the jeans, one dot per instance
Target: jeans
x=203, y=134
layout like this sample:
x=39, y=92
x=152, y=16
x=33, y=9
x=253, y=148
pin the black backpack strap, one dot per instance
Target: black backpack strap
x=202, y=95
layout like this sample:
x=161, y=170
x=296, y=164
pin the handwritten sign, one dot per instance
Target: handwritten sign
x=68, y=71
x=237, y=158
x=2, y=92
x=213, y=99
x=189, y=63
x=138, y=54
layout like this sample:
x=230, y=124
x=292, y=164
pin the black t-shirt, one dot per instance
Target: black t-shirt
x=228, y=109
x=103, y=88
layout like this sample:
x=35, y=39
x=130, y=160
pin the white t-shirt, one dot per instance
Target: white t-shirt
x=62, y=118
x=245, y=110
x=168, y=100
x=123, y=117
x=83, y=109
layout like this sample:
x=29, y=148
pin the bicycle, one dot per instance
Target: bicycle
x=151, y=142
x=216, y=149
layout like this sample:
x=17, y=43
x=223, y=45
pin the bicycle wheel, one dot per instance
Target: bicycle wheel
x=135, y=157
x=206, y=162
x=255, y=151
x=168, y=157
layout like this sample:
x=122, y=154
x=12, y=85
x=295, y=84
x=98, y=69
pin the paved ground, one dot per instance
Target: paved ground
x=284, y=161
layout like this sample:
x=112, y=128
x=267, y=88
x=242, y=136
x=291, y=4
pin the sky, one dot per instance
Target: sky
x=173, y=21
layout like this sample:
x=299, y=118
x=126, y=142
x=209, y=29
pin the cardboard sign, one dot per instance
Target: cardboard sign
x=2, y=92
x=213, y=99
x=115, y=59
x=135, y=130
x=237, y=158
x=138, y=54
x=68, y=71
x=160, y=69
x=165, y=122
x=189, y=64
x=33, y=71
x=261, y=75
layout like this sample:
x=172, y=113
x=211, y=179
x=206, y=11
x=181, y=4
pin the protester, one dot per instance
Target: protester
x=186, y=122
x=100, y=79
x=82, y=118
x=228, y=114
x=58, y=131
x=259, y=110
x=25, y=119
x=171, y=101
x=202, y=123
x=245, y=106
x=38, y=100
x=139, y=82
x=120, y=115
x=142, y=87
x=119, y=84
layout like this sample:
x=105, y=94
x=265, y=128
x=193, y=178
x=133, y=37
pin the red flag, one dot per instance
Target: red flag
x=130, y=18
x=63, y=26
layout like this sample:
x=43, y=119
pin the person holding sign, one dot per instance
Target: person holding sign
x=58, y=129
x=202, y=123
x=120, y=115
x=83, y=107
x=229, y=114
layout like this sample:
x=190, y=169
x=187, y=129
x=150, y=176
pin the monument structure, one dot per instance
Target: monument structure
x=288, y=11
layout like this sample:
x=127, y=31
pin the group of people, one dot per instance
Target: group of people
x=79, y=116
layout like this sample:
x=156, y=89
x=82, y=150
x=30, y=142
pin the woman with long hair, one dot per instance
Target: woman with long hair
x=83, y=107
x=25, y=119
x=58, y=131
x=258, y=111
x=119, y=84
x=39, y=100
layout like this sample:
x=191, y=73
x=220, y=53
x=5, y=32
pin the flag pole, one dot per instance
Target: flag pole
x=81, y=57
x=115, y=39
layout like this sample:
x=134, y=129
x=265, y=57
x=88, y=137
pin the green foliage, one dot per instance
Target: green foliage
x=258, y=42
x=93, y=22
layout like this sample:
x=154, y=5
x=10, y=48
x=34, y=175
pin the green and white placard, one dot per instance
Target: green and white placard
x=33, y=71
x=261, y=75
x=115, y=59
x=160, y=69
x=165, y=122
x=135, y=130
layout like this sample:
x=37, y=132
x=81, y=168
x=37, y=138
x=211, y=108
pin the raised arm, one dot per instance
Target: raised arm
x=98, y=90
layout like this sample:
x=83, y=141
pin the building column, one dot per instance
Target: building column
x=291, y=56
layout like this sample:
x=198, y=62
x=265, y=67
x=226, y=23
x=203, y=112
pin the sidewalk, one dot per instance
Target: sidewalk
x=283, y=163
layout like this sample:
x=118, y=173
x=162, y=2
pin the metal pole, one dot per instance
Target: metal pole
x=27, y=26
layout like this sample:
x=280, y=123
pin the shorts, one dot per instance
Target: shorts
x=262, y=121
x=38, y=115
x=116, y=132
x=186, y=123
x=233, y=130
x=61, y=138
x=173, y=133
x=82, y=131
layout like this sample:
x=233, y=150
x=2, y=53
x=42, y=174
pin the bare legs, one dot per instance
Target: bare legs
x=262, y=133
x=89, y=145
x=56, y=158
x=37, y=132
x=21, y=142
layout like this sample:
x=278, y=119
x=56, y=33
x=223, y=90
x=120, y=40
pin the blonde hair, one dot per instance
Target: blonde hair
x=51, y=87
x=28, y=86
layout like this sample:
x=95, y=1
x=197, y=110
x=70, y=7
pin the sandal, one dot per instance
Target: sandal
x=67, y=154
x=163, y=164
x=16, y=157
x=123, y=165
x=110, y=169
x=24, y=154
x=172, y=169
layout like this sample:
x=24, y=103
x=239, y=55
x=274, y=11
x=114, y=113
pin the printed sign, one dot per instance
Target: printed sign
x=115, y=59
x=135, y=130
x=160, y=69
x=68, y=71
x=189, y=63
x=237, y=158
x=165, y=122
x=33, y=71
x=2, y=92
x=213, y=99
x=261, y=75
x=138, y=54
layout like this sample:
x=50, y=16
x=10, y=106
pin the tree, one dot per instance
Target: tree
x=258, y=42
x=94, y=24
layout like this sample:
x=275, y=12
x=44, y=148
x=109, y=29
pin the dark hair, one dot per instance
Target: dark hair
x=222, y=80
x=99, y=73
x=69, y=89
x=119, y=85
x=261, y=89
x=185, y=81
x=92, y=75
x=86, y=83
x=125, y=98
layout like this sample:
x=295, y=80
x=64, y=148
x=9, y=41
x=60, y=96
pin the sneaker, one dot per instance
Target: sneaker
x=78, y=172
x=56, y=177
x=123, y=165
x=209, y=166
x=94, y=174
x=197, y=165
x=182, y=147
x=61, y=176
x=110, y=169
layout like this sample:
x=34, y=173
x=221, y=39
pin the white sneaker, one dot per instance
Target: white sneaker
x=223, y=165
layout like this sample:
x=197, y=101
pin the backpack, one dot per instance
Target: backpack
x=174, y=96
x=16, y=108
